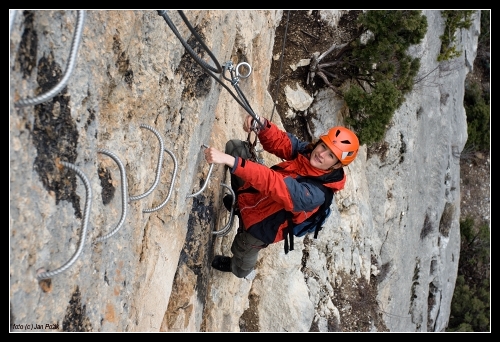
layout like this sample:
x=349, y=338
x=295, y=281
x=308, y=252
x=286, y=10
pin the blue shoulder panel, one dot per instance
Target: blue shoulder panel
x=305, y=196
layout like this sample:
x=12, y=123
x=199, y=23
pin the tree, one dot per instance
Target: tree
x=454, y=21
x=376, y=57
x=470, y=306
x=477, y=108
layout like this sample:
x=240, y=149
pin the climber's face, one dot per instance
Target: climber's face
x=323, y=158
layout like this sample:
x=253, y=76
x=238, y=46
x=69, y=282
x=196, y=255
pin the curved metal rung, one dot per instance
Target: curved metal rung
x=224, y=231
x=69, y=68
x=204, y=185
x=158, y=167
x=171, y=186
x=83, y=232
x=243, y=64
x=124, y=194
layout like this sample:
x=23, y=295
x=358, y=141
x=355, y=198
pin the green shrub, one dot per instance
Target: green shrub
x=470, y=306
x=477, y=109
x=382, y=73
x=381, y=68
x=454, y=21
x=373, y=111
x=477, y=97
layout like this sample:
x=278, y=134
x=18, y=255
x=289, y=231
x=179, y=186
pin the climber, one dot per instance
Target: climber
x=265, y=195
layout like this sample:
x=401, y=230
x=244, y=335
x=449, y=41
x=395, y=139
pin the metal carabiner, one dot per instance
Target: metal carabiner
x=255, y=124
x=228, y=66
x=235, y=71
x=243, y=64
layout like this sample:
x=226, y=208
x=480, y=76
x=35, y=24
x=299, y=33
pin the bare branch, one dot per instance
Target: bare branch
x=361, y=85
x=328, y=73
x=333, y=47
x=426, y=75
x=320, y=74
x=329, y=64
x=310, y=35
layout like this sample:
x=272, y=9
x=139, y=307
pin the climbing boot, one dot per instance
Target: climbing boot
x=222, y=263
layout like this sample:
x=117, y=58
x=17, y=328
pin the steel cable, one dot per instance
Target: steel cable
x=204, y=65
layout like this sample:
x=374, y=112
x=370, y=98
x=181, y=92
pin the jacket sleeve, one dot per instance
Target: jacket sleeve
x=282, y=144
x=293, y=195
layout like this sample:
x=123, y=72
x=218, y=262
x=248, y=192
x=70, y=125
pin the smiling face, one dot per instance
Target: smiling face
x=323, y=158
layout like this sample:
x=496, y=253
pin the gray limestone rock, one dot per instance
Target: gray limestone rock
x=154, y=273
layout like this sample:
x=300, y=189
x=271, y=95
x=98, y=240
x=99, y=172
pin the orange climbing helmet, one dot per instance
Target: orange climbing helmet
x=343, y=143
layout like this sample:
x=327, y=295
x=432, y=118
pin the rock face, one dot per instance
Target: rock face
x=132, y=120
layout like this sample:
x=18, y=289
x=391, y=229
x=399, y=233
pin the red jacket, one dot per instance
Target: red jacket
x=268, y=193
